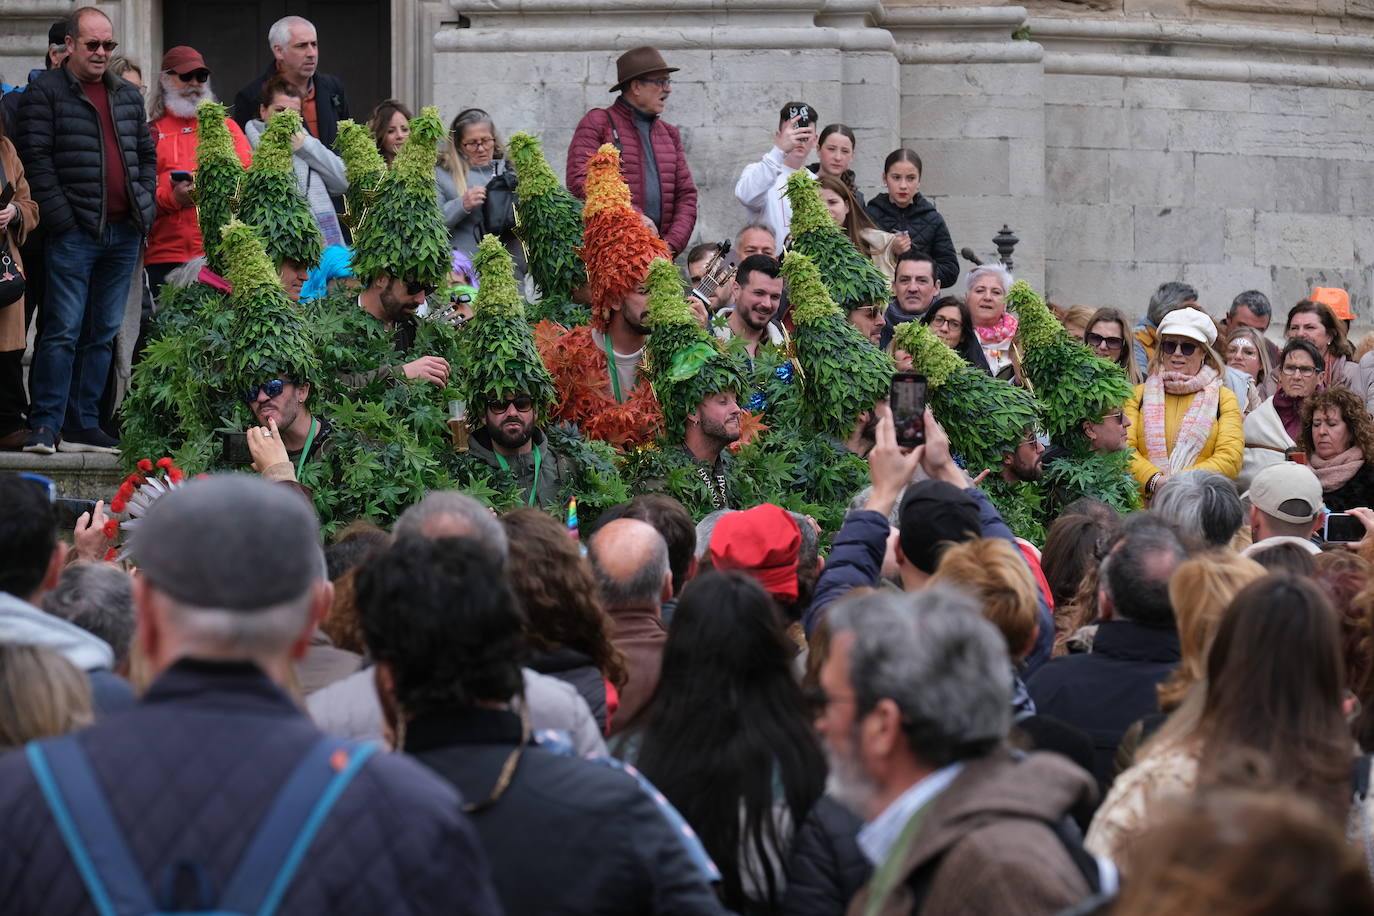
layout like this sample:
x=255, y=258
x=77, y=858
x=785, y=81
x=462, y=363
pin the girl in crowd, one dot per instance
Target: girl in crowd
x=1183, y=416
x=902, y=209
x=1314, y=321
x=882, y=247
x=1273, y=428
x=389, y=126
x=834, y=154
x=1338, y=436
x=1246, y=351
x=473, y=164
x=1106, y=335
x=995, y=326
x=950, y=321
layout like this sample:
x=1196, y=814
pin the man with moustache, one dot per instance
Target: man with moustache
x=757, y=294
x=288, y=435
x=509, y=441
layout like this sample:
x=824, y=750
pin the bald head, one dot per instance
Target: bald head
x=631, y=562
x=450, y=514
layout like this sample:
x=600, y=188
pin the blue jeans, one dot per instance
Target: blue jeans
x=88, y=284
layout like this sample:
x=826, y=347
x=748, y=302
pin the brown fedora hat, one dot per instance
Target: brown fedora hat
x=636, y=62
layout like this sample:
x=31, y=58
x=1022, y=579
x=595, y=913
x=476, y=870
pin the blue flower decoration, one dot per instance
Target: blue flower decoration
x=784, y=372
x=757, y=402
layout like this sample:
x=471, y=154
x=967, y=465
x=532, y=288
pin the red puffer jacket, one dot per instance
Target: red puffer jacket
x=679, y=213
x=176, y=232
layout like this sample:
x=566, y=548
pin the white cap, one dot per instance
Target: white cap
x=1192, y=323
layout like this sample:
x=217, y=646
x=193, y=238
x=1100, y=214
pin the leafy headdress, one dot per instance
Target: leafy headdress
x=984, y=417
x=843, y=373
x=616, y=244
x=550, y=221
x=363, y=166
x=271, y=201
x=498, y=343
x=402, y=232
x=686, y=362
x=218, y=173
x=850, y=276
x=268, y=336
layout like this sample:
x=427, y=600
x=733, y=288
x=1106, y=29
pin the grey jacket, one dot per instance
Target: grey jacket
x=319, y=174
x=23, y=624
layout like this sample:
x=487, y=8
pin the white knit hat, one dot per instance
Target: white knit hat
x=1195, y=324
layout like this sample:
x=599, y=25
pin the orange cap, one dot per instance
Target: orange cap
x=1338, y=300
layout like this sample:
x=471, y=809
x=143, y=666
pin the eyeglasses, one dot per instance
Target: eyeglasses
x=663, y=82
x=42, y=481
x=871, y=312
x=952, y=323
x=1299, y=371
x=1186, y=347
x=272, y=389
x=479, y=144
x=1097, y=340
x=93, y=45
x=1118, y=416
x=195, y=76
x=415, y=287
x=522, y=402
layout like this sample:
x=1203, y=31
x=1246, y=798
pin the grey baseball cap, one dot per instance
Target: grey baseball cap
x=229, y=541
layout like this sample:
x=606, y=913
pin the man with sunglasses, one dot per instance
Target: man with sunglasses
x=394, y=302
x=288, y=435
x=510, y=442
x=182, y=85
x=92, y=168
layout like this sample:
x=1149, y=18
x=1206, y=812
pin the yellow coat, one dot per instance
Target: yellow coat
x=1225, y=446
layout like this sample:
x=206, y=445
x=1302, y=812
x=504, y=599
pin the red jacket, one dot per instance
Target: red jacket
x=679, y=213
x=175, y=237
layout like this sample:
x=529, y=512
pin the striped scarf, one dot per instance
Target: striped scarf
x=1197, y=420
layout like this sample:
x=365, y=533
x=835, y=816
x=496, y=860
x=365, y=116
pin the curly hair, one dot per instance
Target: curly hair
x=351, y=547
x=1352, y=410
x=557, y=588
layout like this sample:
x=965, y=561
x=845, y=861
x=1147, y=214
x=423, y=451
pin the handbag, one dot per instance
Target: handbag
x=498, y=213
x=11, y=277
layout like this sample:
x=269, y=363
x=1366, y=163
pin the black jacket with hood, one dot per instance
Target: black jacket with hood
x=927, y=229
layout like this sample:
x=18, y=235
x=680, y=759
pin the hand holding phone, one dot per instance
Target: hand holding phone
x=1342, y=527
x=908, y=400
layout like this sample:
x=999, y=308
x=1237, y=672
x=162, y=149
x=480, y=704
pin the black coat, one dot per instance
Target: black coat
x=567, y=836
x=189, y=774
x=1357, y=492
x=927, y=229
x=827, y=868
x=331, y=103
x=1103, y=692
x=61, y=147
x=576, y=668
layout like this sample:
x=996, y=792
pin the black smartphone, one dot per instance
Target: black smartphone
x=69, y=510
x=802, y=113
x=182, y=176
x=1342, y=527
x=6, y=194
x=908, y=401
x=234, y=448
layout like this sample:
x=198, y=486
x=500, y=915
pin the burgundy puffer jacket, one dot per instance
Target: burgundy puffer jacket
x=674, y=178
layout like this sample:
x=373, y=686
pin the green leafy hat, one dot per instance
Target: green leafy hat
x=843, y=373
x=550, y=221
x=498, y=344
x=218, y=173
x=271, y=200
x=402, y=232
x=363, y=166
x=268, y=336
x=985, y=417
x=850, y=276
x=1070, y=381
x=686, y=362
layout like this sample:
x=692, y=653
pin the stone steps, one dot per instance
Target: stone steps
x=78, y=475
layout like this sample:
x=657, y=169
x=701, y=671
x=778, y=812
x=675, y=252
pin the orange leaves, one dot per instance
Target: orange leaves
x=751, y=426
x=606, y=189
x=584, y=390
x=617, y=242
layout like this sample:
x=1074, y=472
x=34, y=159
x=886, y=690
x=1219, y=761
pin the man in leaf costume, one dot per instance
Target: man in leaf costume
x=597, y=368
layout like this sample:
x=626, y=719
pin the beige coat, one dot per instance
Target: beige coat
x=12, y=324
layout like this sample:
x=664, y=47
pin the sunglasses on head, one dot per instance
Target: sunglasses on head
x=272, y=389
x=194, y=76
x=92, y=46
x=522, y=402
x=1186, y=347
x=1097, y=340
x=415, y=287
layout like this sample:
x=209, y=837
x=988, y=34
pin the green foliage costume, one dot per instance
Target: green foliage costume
x=271, y=200
x=550, y=225
x=848, y=274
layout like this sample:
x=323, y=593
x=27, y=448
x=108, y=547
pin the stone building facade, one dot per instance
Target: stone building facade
x=1227, y=143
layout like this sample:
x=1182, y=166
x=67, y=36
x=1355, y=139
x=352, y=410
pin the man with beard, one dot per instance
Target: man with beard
x=711, y=428
x=954, y=821
x=394, y=301
x=1022, y=464
x=182, y=84
x=288, y=436
x=510, y=441
x=757, y=294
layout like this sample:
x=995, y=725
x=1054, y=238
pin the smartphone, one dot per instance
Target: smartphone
x=802, y=113
x=1342, y=527
x=182, y=176
x=6, y=194
x=234, y=448
x=908, y=401
x=69, y=510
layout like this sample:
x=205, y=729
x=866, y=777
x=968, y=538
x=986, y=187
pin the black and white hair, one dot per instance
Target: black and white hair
x=1166, y=298
x=1254, y=300
x=1137, y=571
x=100, y=600
x=1200, y=505
x=453, y=514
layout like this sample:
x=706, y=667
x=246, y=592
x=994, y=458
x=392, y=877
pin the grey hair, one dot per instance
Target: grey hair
x=644, y=587
x=1200, y=505
x=808, y=551
x=1166, y=298
x=761, y=227
x=279, y=35
x=1136, y=572
x=100, y=600
x=997, y=270
x=465, y=515
x=935, y=656
x=1254, y=300
x=860, y=501
x=705, y=528
x=241, y=634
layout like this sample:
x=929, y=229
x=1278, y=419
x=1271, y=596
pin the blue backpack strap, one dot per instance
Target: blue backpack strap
x=88, y=826
x=265, y=871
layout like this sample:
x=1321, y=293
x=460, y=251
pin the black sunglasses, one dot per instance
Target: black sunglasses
x=93, y=45
x=1186, y=347
x=271, y=389
x=195, y=76
x=1097, y=340
x=522, y=402
x=415, y=287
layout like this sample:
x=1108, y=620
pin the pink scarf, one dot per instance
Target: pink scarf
x=1336, y=471
x=1004, y=329
x=1196, y=426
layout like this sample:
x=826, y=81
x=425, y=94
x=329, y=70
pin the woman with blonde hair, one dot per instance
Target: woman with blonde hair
x=472, y=168
x=1075, y=320
x=1247, y=350
x=881, y=247
x=1108, y=335
x=41, y=695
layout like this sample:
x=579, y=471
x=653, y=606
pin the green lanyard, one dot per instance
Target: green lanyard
x=613, y=370
x=538, y=458
x=309, y=441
